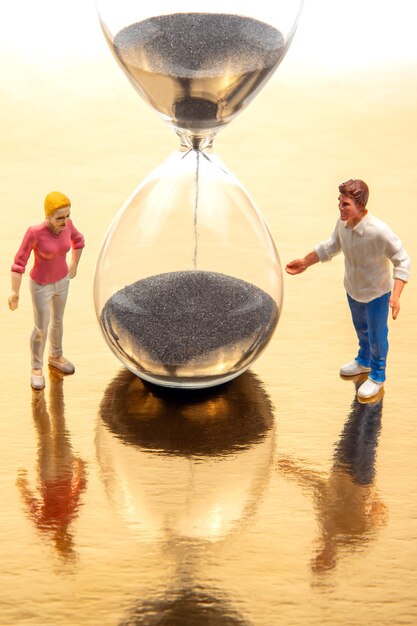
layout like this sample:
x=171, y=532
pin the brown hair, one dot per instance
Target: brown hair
x=356, y=189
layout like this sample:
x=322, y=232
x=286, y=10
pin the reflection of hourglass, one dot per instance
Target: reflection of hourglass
x=185, y=473
x=187, y=468
x=188, y=286
x=185, y=607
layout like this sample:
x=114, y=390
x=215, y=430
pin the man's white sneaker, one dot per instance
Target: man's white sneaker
x=353, y=369
x=369, y=389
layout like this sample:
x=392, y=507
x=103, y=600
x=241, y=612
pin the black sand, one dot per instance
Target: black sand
x=180, y=318
x=199, y=69
x=194, y=44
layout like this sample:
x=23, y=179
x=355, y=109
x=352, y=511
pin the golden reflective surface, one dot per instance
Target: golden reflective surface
x=276, y=499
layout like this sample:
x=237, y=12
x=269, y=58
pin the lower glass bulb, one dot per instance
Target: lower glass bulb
x=188, y=285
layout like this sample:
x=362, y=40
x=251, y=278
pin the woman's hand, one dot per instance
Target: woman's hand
x=13, y=301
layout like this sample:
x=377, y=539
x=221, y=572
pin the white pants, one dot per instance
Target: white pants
x=48, y=304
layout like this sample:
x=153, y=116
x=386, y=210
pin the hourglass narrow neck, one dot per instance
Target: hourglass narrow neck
x=195, y=141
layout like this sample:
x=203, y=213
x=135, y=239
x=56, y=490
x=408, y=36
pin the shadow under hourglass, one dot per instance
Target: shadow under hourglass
x=212, y=422
x=348, y=507
x=53, y=505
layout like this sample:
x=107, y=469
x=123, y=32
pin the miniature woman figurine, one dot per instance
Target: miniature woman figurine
x=368, y=245
x=49, y=281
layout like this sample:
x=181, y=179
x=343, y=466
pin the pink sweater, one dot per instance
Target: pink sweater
x=50, y=252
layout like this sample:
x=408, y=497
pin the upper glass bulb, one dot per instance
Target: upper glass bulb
x=198, y=64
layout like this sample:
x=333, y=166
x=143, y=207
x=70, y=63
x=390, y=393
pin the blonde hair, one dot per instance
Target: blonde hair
x=54, y=201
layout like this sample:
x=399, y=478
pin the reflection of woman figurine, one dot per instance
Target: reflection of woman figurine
x=348, y=506
x=49, y=281
x=54, y=505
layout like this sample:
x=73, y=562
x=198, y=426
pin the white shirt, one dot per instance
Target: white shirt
x=368, y=248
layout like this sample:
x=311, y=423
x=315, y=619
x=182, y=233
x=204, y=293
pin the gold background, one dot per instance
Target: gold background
x=245, y=529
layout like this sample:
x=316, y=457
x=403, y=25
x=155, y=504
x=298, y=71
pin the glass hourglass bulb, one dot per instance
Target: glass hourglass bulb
x=188, y=286
x=198, y=64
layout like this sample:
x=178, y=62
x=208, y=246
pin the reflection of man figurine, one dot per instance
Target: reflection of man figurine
x=349, y=509
x=61, y=475
x=367, y=244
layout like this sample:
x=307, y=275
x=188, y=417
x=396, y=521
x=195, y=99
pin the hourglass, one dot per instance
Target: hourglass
x=188, y=285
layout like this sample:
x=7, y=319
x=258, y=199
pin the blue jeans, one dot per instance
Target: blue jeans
x=370, y=320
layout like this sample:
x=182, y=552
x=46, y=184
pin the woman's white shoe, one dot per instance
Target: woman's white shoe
x=37, y=382
x=61, y=364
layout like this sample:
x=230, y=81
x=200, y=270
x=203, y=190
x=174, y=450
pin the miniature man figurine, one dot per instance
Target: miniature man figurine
x=367, y=244
x=49, y=281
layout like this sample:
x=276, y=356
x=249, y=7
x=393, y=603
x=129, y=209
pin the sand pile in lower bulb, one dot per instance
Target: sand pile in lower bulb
x=180, y=317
